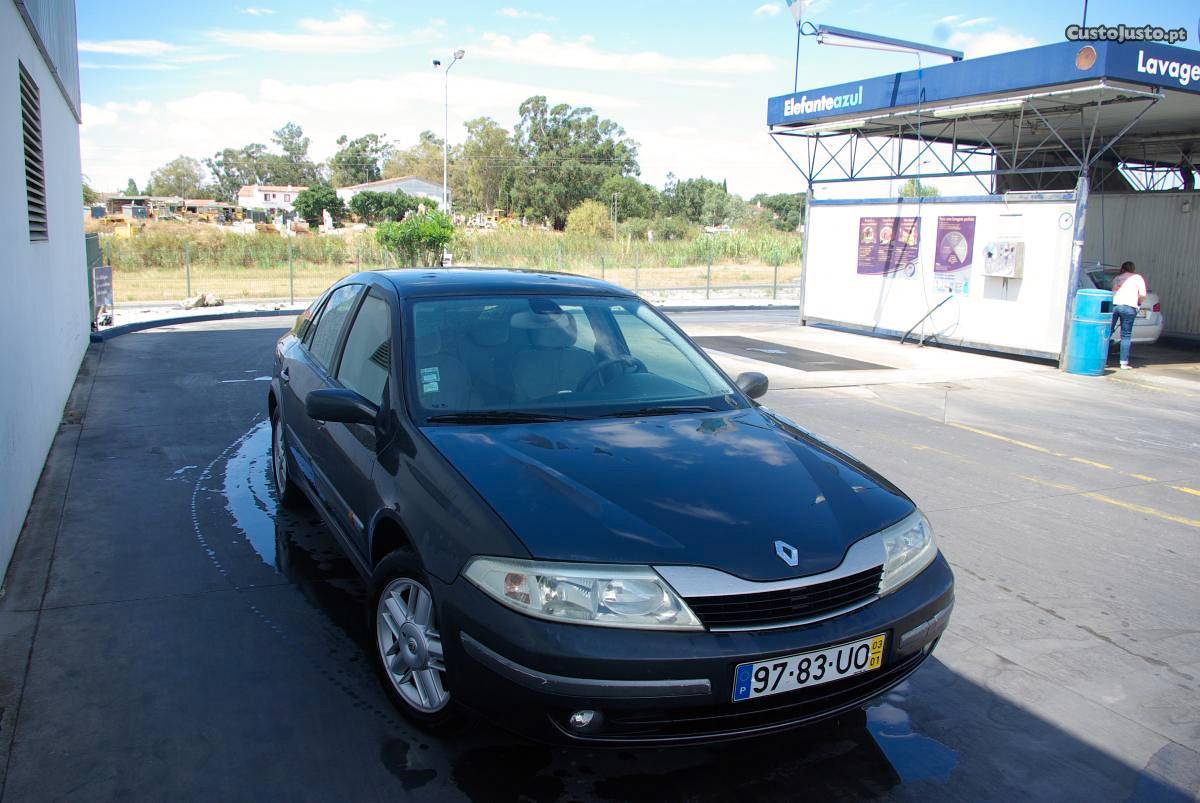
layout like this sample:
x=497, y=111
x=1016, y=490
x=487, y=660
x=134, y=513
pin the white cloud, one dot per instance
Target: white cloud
x=127, y=47
x=520, y=14
x=152, y=66
x=133, y=140
x=987, y=43
x=256, y=12
x=976, y=21
x=352, y=32
x=543, y=50
x=767, y=10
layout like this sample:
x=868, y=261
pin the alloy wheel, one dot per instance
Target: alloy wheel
x=410, y=645
x=278, y=456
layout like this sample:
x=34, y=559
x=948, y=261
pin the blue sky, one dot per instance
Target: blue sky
x=687, y=80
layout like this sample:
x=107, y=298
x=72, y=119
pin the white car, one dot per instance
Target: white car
x=1148, y=325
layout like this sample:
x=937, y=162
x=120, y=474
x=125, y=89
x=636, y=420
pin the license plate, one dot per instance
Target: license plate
x=1142, y=313
x=792, y=672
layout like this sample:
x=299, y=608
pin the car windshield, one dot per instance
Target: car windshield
x=495, y=359
x=1102, y=279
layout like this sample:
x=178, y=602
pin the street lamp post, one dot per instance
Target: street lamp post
x=458, y=56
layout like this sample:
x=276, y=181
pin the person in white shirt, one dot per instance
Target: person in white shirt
x=1129, y=291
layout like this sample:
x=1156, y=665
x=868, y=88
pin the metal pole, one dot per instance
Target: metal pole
x=187, y=272
x=804, y=251
x=446, y=138
x=775, y=283
x=708, y=279
x=1081, y=198
x=796, y=82
x=291, y=278
x=637, y=270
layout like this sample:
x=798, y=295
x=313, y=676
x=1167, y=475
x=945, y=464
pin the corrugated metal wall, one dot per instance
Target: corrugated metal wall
x=1152, y=229
x=54, y=21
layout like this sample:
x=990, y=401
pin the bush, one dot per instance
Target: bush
x=312, y=202
x=590, y=219
x=418, y=239
x=672, y=228
x=635, y=227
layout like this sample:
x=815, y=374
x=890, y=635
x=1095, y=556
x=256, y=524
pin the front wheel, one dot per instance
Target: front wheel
x=289, y=494
x=408, y=645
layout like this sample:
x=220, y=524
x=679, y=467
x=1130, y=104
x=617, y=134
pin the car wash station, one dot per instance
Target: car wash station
x=1083, y=156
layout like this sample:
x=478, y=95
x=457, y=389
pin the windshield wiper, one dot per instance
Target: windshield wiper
x=675, y=409
x=497, y=417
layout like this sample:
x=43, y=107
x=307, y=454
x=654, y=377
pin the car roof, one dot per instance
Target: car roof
x=429, y=282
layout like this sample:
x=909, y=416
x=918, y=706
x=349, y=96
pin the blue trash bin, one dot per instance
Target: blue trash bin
x=1091, y=326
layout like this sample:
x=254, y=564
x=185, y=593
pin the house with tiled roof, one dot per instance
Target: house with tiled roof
x=266, y=197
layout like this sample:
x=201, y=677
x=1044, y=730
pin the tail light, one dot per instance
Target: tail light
x=1156, y=308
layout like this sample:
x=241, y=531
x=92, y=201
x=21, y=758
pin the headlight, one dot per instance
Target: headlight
x=909, y=547
x=588, y=594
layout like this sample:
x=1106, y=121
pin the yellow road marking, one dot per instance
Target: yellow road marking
x=1146, y=386
x=1141, y=477
x=1087, y=462
x=1149, y=511
x=1186, y=490
x=1004, y=438
x=1108, y=500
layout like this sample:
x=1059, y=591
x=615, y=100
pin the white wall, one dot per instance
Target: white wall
x=1024, y=316
x=1153, y=230
x=43, y=286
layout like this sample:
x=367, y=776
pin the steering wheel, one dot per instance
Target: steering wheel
x=590, y=376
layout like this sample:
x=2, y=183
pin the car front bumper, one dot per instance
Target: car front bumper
x=656, y=687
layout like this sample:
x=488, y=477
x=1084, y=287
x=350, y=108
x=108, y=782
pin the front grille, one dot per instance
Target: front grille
x=760, y=715
x=774, y=608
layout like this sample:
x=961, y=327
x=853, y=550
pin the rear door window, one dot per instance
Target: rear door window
x=328, y=328
x=367, y=357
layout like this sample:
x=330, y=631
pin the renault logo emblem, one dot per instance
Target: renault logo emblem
x=787, y=553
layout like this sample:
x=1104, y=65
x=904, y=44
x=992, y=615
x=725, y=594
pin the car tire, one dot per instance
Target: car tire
x=408, y=654
x=289, y=494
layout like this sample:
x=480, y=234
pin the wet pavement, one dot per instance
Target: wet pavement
x=167, y=631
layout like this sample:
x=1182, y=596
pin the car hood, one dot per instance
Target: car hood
x=715, y=490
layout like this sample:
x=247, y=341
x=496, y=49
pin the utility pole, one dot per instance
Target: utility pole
x=458, y=56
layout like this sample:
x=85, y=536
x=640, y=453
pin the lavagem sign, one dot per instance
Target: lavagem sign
x=1181, y=71
x=822, y=103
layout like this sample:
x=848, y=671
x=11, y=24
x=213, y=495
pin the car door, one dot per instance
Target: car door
x=308, y=366
x=347, y=452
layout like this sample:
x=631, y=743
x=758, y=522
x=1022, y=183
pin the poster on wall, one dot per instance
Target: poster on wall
x=952, y=255
x=888, y=245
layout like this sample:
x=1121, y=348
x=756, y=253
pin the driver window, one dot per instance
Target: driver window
x=368, y=353
x=652, y=347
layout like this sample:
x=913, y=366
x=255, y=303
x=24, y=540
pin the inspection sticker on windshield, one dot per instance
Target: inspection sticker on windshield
x=430, y=375
x=793, y=672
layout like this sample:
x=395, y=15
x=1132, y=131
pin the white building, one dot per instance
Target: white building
x=268, y=196
x=410, y=185
x=44, y=326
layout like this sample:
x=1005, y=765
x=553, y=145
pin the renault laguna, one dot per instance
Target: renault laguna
x=574, y=523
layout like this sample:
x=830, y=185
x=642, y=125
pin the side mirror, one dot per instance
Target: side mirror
x=338, y=404
x=752, y=383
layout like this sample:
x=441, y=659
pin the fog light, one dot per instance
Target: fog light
x=585, y=721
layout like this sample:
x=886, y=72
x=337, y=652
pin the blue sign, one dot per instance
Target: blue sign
x=1144, y=63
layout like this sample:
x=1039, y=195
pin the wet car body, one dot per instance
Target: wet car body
x=705, y=498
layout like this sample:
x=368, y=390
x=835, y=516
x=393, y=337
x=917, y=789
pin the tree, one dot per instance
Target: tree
x=482, y=163
x=913, y=188
x=687, y=198
x=233, y=168
x=566, y=154
x=313, y=201
x=786, y=208
x=293, y=167
x=634, y=199
x=423, y=160
x=418, y=239
x=591, y=219
x=183, y=176
x=370, y=206
x=131, y=188
x=90, y=196
x=358, y=161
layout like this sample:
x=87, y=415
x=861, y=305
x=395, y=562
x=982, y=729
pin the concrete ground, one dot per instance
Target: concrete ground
x=165, y=632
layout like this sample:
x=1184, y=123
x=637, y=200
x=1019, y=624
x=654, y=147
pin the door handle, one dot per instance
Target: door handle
x=284, y=375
